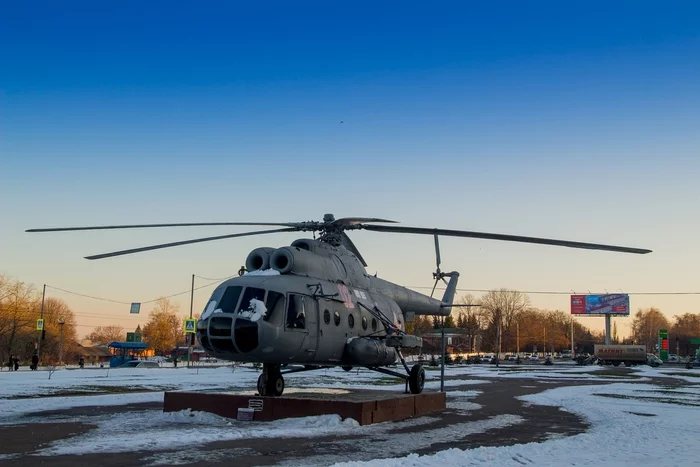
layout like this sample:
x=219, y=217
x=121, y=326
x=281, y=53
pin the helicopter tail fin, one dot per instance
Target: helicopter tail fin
x=450, y=291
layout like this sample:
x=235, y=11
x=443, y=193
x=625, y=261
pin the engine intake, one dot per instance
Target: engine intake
x=259, y=259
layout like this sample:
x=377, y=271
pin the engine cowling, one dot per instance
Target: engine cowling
x=369, y=352
x=259, y=258
x=295, y=260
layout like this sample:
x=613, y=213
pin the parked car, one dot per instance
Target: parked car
x=140, y=364
x=534, y=358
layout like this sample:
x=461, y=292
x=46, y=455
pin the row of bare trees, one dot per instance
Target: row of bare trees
x=20, y=308
x=506, y=317
x=648, y=322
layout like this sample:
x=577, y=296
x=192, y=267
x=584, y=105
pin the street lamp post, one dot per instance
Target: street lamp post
x=41, y=333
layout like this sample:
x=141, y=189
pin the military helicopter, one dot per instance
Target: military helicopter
x=313, y=305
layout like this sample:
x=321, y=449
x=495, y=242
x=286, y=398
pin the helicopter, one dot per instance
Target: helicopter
x=312, y=304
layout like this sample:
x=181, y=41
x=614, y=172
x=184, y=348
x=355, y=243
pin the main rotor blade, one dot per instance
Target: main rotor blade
x=186, y=242
x=509, y=238
x=360, y=220
x=140, y=226
x=351, y=246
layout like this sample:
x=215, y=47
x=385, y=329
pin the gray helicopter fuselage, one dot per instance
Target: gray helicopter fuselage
x=306, y=304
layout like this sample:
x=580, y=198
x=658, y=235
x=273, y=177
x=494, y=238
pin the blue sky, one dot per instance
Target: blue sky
x=577, y=121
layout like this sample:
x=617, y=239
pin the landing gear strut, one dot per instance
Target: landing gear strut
x=270, y=381
x=415, y=379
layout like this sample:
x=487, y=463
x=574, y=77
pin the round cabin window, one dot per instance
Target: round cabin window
x=336, y=317
x=326, y=316
x=374, y=324
x=364, y=323
x=351, y=320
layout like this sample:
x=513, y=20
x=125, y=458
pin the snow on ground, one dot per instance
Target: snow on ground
x=162, y=431
x=627, y=429
x=631, y=423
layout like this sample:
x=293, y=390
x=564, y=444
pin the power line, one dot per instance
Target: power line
x=539, y=292
x=143, y=302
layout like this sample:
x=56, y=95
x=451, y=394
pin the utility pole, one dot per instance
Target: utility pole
x=189, y=336
x=60, y=345
x=442, y=363
x=517, y=336
x=41, y=333
x=572, y=337
x=498, y=354
x=544, y=343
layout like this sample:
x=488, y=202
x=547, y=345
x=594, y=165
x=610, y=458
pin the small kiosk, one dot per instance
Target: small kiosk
x=123, y=352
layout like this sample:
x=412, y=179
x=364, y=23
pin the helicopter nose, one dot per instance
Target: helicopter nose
x=225, y=333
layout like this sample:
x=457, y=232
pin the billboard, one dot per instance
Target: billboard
x=592, y=305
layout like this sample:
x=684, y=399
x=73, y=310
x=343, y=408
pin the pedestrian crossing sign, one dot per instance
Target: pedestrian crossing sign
x=189, y=325
x=40, y=325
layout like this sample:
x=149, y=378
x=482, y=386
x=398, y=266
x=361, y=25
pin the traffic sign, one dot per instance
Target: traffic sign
x=135, y=308
x=40, y=325
x=190, y=325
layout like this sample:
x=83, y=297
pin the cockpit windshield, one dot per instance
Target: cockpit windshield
x=253, y=305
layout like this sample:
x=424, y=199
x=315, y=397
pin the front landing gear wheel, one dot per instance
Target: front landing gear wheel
x=275, y=385
x=416, y=379
x=270, y=384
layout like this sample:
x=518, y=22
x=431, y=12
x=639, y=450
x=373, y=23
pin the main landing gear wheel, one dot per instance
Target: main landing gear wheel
x=347, y=368
x=416, y=379
x=270, y=383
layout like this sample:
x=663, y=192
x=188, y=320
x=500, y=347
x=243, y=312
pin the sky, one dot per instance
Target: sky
x=565, y=120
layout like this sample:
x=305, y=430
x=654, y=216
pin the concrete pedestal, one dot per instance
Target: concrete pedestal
x=365, y=407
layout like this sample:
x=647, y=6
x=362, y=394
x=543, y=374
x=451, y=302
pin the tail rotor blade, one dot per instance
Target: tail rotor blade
x=437, y=252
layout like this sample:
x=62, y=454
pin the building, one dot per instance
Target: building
x=93, y=354
x=457, y=341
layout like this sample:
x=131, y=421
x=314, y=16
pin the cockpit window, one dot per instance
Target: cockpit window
x=252, y=304
x=296, y=315
x=273, y=299
x=230, y=299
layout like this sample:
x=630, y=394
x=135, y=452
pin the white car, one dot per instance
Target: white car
x=534, y=358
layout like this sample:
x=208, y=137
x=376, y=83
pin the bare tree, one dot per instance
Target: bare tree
x=646, y=325
x=499, y=309
x=468, y=319
x=106, y=334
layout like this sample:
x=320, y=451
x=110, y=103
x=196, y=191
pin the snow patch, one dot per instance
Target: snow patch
x=263, y=272
x=161, y=431
x=255, y=310
x=209, y=310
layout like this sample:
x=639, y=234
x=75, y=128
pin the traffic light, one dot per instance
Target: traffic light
x=43, y=334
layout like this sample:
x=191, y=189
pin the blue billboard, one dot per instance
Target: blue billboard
x=609, y=304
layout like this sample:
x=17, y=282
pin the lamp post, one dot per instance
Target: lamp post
x=188, y=337
x=41, y=333
x=60, y=343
